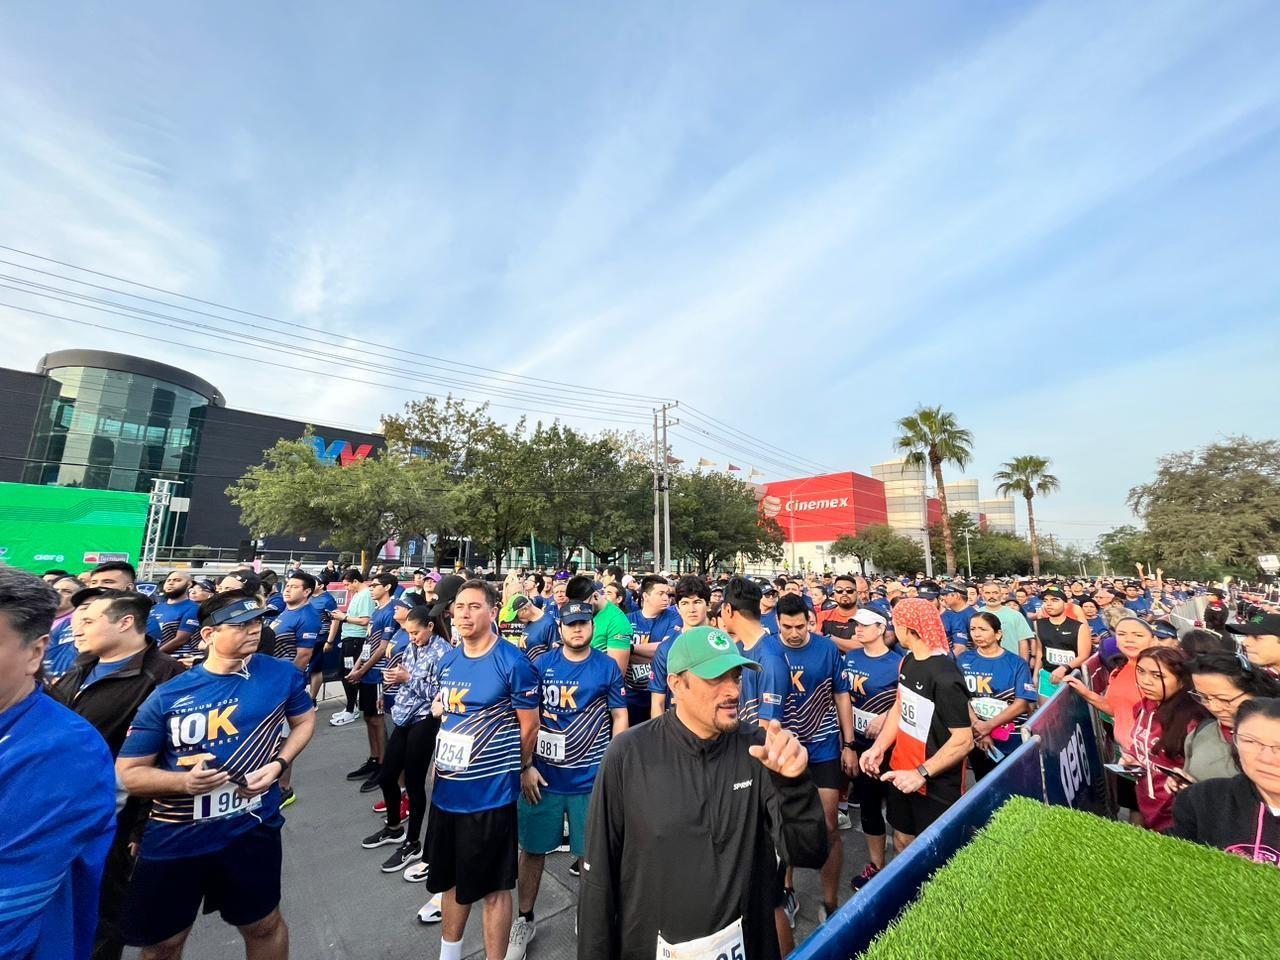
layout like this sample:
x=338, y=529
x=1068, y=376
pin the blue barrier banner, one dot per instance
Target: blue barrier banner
x=1069, y=755
x=862, y=918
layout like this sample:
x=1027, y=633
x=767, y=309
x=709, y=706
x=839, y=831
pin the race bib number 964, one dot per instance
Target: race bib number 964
x=223, y=802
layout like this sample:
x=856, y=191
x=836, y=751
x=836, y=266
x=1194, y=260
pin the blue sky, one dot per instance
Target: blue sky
x=1058, y=219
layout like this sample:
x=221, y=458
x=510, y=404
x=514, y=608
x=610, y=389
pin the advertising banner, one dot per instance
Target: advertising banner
x=68, y=527
x=1069, y=753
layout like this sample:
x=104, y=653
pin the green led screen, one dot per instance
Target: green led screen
x=68, y=527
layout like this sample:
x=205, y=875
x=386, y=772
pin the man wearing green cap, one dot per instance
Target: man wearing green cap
x=694, y=809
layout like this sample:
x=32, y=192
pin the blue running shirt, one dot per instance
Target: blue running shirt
x=235, y=724
x=394, y=657
x=648, y=630
x=817, y=675
x=478, y=747
x=873, y=688
x=58, y=794
x=956, y=623
x=764, y=691
x=382, y=626
x=296, y=630
x=576, y=724
x=995, y=682
x=324, y=604
x=168, y=618
x=61, y=652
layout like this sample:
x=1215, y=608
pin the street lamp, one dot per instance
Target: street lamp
x=967, y=555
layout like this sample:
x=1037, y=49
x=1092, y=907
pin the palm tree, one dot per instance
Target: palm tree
x=1028, y=476
x=931, y=437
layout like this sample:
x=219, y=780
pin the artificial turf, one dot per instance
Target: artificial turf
x=1048, y=882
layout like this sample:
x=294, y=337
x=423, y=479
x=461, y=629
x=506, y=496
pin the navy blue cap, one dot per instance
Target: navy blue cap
x=242, y=611
x=1164, y=630
x=403, y=601
x=577, y=611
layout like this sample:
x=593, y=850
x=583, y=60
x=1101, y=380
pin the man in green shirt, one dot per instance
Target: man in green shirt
x=612, y=631
x=352, y=627
x=1016, y=631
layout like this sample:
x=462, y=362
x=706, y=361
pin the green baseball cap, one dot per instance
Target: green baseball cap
x=708, y=652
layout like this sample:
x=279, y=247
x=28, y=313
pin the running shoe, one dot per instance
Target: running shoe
x=433, y=910
x=416, y=873
x=862, y=879
x=384, y=836
x=824, y=913
x=791, y=906
x=343, y=717
x=843, y=821
x=374, y=782
x=575, y=868
x=287, y=797
x=362, y=771
x=380, y=806
x=406, y=853
x=522, y=931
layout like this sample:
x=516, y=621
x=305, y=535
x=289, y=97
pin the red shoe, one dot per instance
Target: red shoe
x=380, y=806
x=862, y=879
x=404, y=808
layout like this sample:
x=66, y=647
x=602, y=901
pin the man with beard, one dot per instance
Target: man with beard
x=174, y=623
x=732, y=798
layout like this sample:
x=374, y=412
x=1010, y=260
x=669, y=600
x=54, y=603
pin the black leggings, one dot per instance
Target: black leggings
x=409, y=750
x=870, y=794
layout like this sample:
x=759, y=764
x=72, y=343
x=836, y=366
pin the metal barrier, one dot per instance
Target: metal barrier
x=1060, y=763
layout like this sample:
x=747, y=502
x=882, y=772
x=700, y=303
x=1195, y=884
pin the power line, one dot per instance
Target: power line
x=294, y=326
x=706, y=417
x=746, y=452
x=146, y=316
x=525, y=408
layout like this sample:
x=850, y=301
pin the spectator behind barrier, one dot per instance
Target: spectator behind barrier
x=1162, y=720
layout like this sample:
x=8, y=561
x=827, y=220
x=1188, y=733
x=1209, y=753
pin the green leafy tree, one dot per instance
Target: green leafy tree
x=453, y=433
x=1213, y=510
x=715, y=517
x=355, y=508
x=1029, y=477
x=931, y=437
x=1123, y=547
x=880, y=545
x=576, y=476
x=494, y=503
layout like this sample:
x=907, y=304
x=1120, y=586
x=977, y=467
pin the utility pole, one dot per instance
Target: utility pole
x=967, y=555
x=657, y=490
x=928, y=549
x=666, y=483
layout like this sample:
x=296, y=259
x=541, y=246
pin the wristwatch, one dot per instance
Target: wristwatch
x=922, y=771
x=850, y=745
x=284, y=764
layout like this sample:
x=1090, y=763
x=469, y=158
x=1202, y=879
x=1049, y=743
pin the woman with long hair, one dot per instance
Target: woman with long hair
x=1001, y=693
x=1223, y=683
x=1162, y=719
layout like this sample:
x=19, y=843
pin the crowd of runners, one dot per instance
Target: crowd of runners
x=691, y=741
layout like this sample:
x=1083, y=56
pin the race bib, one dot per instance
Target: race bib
x=366, y=651
x=551, y=746
x=724, y=945
x=916, y=716
x=349, y=662
x=987, y=708
x=453, y=751
x=222, y=802
x=1059, y=658
x=640, y=671
x=862, y=720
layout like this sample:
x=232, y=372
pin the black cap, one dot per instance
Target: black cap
x=1258, y=624
x=446, y=593
x=1055, y=592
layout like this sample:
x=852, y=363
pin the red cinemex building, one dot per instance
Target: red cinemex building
x=817, y=510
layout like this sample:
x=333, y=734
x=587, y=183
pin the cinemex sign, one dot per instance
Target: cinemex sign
x=772, y=506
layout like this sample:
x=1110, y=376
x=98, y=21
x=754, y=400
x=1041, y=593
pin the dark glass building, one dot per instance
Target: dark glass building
x=101, y=420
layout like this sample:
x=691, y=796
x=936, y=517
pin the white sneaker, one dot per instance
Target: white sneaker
x=842, y=820
x=342, y=718
x=433, y=910
x=522, y=931
x=791, y=907
x=417, y=873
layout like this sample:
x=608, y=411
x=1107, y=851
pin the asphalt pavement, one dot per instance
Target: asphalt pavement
x=338, y=904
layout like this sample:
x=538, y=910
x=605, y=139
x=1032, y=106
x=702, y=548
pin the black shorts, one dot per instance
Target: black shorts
x=371, y=699
x=473, y=854
x=241, y=881
x=910, y=813
x=827, y=775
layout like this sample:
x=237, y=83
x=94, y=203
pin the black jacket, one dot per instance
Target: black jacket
x=681, y=840
x=1228, y=813
x=110, y=703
